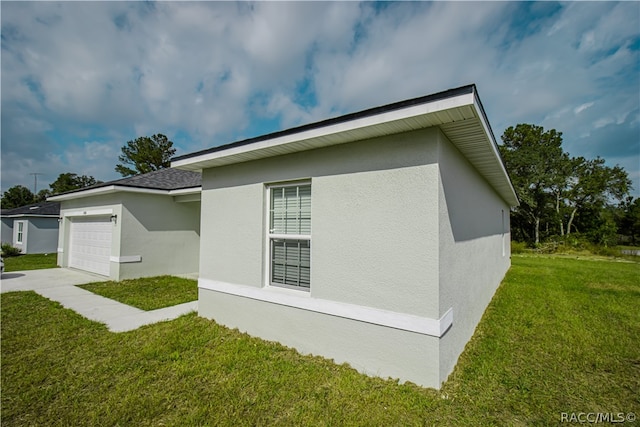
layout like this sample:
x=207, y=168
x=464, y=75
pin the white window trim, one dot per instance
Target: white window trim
x=20, y=232
x=268, y=235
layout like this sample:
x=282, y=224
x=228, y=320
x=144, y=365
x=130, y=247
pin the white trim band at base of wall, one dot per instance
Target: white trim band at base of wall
x=125, y=259
x=392, y=319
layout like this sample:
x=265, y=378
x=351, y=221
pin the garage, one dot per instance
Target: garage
x=90, y=244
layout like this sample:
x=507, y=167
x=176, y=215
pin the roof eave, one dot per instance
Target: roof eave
x=110, y=189
x=450, y=113
x=338, y=133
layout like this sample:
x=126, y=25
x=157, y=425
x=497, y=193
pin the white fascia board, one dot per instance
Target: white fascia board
x=107, y=190
x=494, y=149
x=302, y=300
x=185, y=191
x=311, y=134
x=79, y=194
x=123, y=189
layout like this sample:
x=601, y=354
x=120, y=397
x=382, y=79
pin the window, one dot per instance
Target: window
x=20, y=232
x=504, y=242
x=290, y=236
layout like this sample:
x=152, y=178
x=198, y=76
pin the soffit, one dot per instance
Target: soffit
x=462, y=122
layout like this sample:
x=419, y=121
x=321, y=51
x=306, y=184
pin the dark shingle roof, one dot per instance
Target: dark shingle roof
x=42, y=208
x=163, y=179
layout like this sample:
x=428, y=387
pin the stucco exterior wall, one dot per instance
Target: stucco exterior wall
x=374, y=211
x=370, y=349
x=382, y=185
x=163, y=233
x=6, y=234
x=42, y=235
x=474, y=248
x=152, y=234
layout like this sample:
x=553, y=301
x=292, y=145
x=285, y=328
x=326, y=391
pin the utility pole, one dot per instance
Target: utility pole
x=35, y=182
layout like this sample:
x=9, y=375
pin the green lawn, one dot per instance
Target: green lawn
x=149, y=293
x=30, y=262
x=561, y=335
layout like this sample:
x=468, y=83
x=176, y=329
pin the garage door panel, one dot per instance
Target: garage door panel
x=90, y=244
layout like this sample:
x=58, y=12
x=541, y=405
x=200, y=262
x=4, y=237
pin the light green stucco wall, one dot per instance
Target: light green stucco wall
x=371, y=349
x=472, y=263
x=401, y=223
x=42, y=235
x=385, y=186
x=374, y=244
x=164, y=233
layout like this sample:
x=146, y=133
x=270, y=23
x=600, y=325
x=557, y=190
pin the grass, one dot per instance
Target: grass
x=561, y=335
x=30, y=262
x=580, y=248
x=148, y=293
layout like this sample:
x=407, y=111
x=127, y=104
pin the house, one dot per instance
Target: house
x=32, y=228
x=143, y=225
x=377, y=238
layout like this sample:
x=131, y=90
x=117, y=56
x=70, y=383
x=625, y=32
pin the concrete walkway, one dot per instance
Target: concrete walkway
x=58, y=284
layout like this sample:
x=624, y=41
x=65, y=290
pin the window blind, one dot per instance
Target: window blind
x=290, y=213
x=291, y=210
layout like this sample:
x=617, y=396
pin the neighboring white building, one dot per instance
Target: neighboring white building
x=32, y=228
x=144, y=225
x=377, y=238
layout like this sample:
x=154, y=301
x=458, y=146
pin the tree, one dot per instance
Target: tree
x=17, y=196
x=594, y=185
x=628, y=219
x=536, y=163
x=145, y=155
x=573, y=192
x=70, y=181
x=43, y=194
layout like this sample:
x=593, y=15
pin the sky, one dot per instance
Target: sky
x=80, y=79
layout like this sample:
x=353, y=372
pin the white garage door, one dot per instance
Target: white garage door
x=90, y=245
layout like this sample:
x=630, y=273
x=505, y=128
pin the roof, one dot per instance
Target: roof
x=457, y=112
x=163, y=181
x=35, y=209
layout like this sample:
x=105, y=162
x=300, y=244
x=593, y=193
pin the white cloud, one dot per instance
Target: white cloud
x=108, y=72
x=580, y=108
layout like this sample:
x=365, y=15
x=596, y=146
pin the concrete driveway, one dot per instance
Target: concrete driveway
x=58, y=284
x=33, y=280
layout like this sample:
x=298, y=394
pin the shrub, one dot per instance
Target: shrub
x=9, y=251
x=518, y=247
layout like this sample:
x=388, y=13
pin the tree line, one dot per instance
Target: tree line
x=562, y=195
x=142, y=155
x=559, y=195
